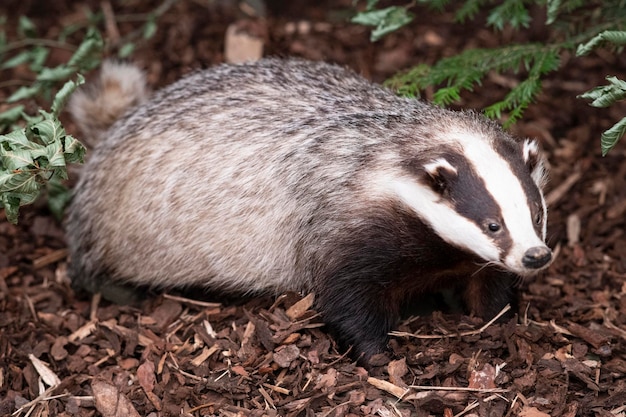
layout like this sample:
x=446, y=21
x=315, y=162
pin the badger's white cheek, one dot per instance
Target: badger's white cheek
x=453, y=228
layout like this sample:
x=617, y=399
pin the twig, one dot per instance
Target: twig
x=50, y=258
x=463, y=389
x=275, y=388
x=459, y=334
x=190, y=301
x=467, y=409
x=38, y=42
x=387, y=386
x=608, y=323
x=109, y=21
x=44, y=396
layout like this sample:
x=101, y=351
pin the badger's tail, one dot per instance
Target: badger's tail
x=96, y=106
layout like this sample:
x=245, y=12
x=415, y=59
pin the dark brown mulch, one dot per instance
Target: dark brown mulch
x=564, y=355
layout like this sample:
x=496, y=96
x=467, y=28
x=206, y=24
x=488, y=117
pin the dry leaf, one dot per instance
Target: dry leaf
x=110, y=402
x=483, y=379
x=532, y=412
x=298, y=309
x=49, y=378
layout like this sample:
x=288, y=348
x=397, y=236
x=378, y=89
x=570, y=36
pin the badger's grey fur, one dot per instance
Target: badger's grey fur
x=287, y=174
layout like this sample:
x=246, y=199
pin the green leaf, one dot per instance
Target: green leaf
x=386, y=20
x=469, y=10
x=59, y=197
x=552, y=11
x=54, y=155
x=16, y=60
x=16, y=160
x=11, y=115
x=126, y=50
x=610, y=137
x=49, y=129
x=61, y=97
x=150, y=28
x=26, y=27
x=60, y=73
x=17, y=189
x=11, y=207
x=87, y=56
x=74, y=150
x=17, y=140
x=604, y=96
x=613, y=36
x=371, y=18
x=25, y=92
x=39, y=54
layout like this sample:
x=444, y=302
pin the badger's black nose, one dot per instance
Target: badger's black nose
x=537, y=257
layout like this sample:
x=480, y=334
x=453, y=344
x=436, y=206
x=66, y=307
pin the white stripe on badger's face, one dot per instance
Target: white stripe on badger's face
x=508, y=192
x=445, y=221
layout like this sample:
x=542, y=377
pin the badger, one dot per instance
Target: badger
x=285, y=174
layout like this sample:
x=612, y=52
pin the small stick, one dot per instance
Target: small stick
x=460, y=334
x=50, y=258
x=190, y=301
x=463, y=389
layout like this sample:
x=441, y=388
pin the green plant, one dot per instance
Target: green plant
x=35, y=149
x=575, y=25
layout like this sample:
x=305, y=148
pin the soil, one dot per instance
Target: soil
x=563, y=355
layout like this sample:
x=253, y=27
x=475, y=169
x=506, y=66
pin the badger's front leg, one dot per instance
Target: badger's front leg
x=358, y=314
x=360, y=294
x=489, y=291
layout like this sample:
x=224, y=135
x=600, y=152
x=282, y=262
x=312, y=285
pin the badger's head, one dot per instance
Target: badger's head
x=482, y=193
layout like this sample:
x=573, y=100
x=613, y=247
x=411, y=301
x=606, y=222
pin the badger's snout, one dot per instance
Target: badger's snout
x=537, y=257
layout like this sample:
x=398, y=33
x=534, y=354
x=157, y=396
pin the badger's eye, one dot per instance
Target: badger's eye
x=538, y=218
x=494, y=227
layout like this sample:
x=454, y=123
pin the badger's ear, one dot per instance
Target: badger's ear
x=535, y=162
x=438, y=174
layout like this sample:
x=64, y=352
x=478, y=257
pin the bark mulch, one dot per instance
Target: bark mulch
x=564, y=354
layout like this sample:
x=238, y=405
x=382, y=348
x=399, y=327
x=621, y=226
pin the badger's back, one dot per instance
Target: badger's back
x=219, y=178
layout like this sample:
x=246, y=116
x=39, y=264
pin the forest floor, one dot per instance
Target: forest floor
x=563, y=355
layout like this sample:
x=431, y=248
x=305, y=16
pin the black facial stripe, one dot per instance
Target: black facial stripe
x=471, y=199
x=512, y=152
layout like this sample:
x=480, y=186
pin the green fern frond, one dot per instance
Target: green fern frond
x=470, y=9
x=465, y=71
x=511, y=12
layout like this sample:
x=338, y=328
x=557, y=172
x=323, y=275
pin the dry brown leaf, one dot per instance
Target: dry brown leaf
x=47, y=375
x=110, y=402
x=147, y=379
x=298, y=309
x=327, y=380
x=483, y=379
x=284, y=355
x=397, y=369
x=532, y=412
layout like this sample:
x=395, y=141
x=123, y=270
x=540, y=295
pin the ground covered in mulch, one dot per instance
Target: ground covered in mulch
x=565, y=353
